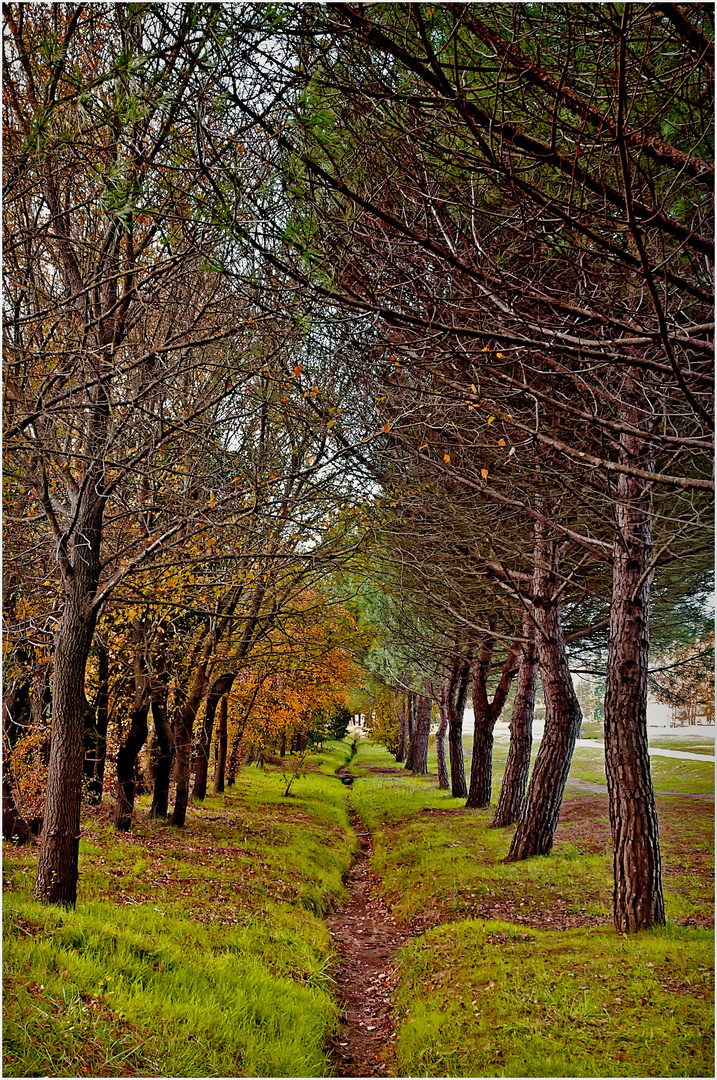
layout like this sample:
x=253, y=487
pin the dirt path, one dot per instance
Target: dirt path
x=367, y=938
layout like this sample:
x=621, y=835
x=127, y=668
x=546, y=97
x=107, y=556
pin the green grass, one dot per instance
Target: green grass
x=544, y=986
x=490, y=999
x=203, y=951
x=194, y=952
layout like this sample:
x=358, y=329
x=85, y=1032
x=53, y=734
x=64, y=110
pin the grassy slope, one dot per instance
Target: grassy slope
x=507, y=998
x=198, y=952
x=202, y=951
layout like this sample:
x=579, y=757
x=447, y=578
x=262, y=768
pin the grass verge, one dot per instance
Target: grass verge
x=194, y=952
x=543, y=986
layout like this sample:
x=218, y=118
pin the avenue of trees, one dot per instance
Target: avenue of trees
x=346, y=337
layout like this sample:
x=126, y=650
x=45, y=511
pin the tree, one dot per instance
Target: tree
x=497, y=209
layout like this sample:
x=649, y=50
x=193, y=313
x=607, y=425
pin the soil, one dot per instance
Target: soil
x=366, y=937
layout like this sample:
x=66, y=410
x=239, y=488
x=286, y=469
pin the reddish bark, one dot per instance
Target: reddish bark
x=637, y=898
x=539, y=816
x=515, y=779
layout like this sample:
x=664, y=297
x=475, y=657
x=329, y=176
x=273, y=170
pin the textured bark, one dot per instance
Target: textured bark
x=98, y=748
x=486, y=714
x=219, y=688
x=400, y=707
x=515, y=779
x=637, y=899
x=456, y=701
x=443, y=782
x=539, y=816
x=223, y=742
x=56, y=879
x=421, y=734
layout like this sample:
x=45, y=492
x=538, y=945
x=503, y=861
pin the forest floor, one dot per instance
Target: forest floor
x=363, y=931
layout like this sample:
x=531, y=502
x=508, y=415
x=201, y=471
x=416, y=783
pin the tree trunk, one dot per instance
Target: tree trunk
x=56, y=879
x=184, y=728
x=539, y=816
x=126, y=762
x=421, y=735
x=515, y=780
x=97, y=776
x=637, y=898
x=441, y=742
x=220, y=687
x=127, y=773
x=402, y=728
x=411, y=729
x=486, y=715
x=223, y=741
x=457, y=693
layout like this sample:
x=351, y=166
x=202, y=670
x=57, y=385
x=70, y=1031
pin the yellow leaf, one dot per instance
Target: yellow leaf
x=386, y=427
x=297, y=370
x=491, y=419
x=501, y=442
x=473, y=388
x=499, y=355
x=485, y=349
x=285, y=400
x=330, y=424
x=446, y=457
x=424, y=447
x=396, y=363
x=484, y=473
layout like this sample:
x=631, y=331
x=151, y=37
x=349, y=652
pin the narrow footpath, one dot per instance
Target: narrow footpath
x=366, y=938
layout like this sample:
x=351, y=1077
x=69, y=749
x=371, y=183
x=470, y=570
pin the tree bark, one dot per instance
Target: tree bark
x=421, y=734
x=443, y=782
x=486, y=714
x=220, y=687
x=56, y=879
x=456, y=701
x=637, y=898
x=515, y=779
x=223, y=741
x=539, y=816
